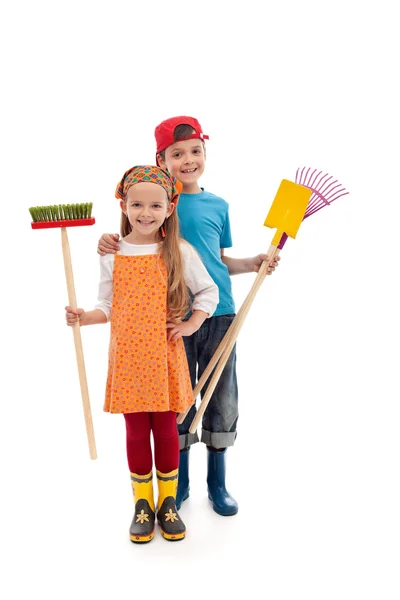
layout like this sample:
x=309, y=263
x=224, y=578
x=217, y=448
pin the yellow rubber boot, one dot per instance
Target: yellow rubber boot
x=171, y=525
x=142, y=526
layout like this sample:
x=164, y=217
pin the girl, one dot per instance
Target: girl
x=144, y=292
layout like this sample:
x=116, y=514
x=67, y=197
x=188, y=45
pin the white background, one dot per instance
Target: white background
x=316, y=464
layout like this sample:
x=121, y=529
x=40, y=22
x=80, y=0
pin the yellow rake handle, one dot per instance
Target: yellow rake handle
x=78, y=345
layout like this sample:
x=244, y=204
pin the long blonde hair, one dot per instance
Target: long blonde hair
x=178, y=298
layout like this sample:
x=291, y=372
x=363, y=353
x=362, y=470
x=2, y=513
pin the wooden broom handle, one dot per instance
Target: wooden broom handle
x=226, y=346
x=78, y=345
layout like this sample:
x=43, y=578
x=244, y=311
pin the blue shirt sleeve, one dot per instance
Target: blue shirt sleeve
x=226, y=237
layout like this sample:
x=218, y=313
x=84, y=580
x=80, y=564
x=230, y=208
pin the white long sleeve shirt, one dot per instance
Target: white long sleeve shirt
x=199, y=282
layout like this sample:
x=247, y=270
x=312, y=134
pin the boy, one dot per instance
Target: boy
x=204, y=222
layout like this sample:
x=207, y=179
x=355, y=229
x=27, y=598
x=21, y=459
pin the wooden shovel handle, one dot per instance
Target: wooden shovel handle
x=231, y=332
x=212, y=363
x=78, y=345
x=209, y=368
x=226, y=346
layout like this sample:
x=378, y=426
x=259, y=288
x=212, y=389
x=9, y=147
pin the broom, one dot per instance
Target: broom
x=63, y=216
x=324, y=190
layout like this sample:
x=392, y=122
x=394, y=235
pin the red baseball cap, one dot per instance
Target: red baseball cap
x=164, y=132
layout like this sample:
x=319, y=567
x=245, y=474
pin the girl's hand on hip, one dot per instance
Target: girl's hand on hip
x=73, y=315
x=177, y=330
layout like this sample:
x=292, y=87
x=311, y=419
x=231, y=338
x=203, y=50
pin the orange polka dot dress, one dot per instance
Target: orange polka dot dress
x=146, y=372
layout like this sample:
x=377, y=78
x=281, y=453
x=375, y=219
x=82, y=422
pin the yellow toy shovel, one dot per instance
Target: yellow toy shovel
x=285, y=214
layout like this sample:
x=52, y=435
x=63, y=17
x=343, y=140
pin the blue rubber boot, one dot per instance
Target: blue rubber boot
x=183, y=478
x=222, y=501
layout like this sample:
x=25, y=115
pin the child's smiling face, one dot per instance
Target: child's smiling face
x=146, y=207
x=185, y=160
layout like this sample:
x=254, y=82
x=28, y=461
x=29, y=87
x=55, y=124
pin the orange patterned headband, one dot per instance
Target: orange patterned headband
x=149, y=173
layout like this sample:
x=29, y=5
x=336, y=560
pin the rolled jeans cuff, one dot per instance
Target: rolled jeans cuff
x=187, y=439
x=218, y=440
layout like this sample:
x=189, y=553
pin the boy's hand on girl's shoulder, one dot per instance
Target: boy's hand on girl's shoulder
x=108, y=244
x=73, y=315
x=177, y=330
x=258, y=261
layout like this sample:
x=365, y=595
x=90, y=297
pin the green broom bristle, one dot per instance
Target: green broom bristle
x=61, y=212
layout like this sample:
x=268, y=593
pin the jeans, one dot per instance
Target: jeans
x=221, y=415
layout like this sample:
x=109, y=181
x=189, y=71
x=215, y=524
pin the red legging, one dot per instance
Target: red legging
x=166, y=441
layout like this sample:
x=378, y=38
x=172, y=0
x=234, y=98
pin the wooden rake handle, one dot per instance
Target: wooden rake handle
x=78, y=345
x=209, y=368
x=225, y=348
x=225, y=341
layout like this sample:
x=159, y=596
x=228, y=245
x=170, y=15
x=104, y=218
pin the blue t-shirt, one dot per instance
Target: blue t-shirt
x=204, y=223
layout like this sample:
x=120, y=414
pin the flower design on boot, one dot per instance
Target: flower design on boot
x=171, y=516
x=142, y=517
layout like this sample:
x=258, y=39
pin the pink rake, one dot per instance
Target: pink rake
x=325, y=191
